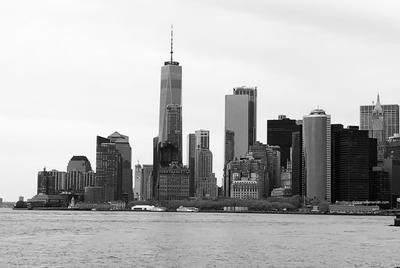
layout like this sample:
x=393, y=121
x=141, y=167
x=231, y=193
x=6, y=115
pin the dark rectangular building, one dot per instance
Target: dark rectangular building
x=279, y=132
x=350, y=164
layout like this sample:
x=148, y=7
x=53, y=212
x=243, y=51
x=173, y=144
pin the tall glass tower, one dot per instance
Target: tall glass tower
x=170, y=94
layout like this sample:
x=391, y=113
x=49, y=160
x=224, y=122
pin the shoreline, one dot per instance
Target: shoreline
x=214, y=211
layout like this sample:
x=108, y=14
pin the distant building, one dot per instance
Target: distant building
x=240, y=122
x=146, y=186
x=138, y=182
x=203, y=161
x=174, y=127
x=207, y=187
x=45, y=183
x=79, y=163
x=281, y=192
x=191, y=146
x=298, y=187
x=392, y=148
x=274, y=166
x=286, y=176
x=247, y=177
x=279, y=132
x=379, y=185
x=382, y=122
x=350, y=164
x=173, y=182
x=317, y=154
x=123, y=147
x=392, y=167
x=109, y=169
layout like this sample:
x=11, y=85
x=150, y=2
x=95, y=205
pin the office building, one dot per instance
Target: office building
x=45, y=183
x=108, y=169
x=350, y=164
x=191, y=147
x=382, y=122
x=79, y=163
x=174, y=127
x=392, y=147
x=146, y=186
x=202, y=139
x=240, y=122
x=247, y=177
x=274, y=166
x=380, y=185
x=123, y=147
x=170, y=92
x=173, y=182
x=138, y=194
x=317, y=154
x=297, y=163
x=279, y=132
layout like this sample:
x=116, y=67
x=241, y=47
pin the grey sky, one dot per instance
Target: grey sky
x=71, y=70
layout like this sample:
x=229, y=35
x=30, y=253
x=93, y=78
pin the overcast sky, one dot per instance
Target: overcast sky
x=71, y=70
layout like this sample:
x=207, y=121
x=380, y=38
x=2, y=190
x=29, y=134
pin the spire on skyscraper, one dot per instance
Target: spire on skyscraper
x=172, y=41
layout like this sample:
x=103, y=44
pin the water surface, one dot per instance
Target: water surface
x=152, y=239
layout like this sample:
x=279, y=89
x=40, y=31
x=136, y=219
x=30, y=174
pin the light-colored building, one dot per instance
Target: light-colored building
x=147, y=179
x=317, y=154
x=138, y=194
x=246, y=177
x=202, y=139
x=240, y=122
x=390, y=115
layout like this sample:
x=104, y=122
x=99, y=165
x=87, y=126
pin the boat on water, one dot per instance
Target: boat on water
x=187, y=209
x=148, y=208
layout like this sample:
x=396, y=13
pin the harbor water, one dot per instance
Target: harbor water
x=167, y=239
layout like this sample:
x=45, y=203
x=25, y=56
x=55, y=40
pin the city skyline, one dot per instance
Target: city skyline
x=61, y=95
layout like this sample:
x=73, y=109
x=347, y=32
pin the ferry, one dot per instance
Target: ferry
x=148, y=208
x=187, y=209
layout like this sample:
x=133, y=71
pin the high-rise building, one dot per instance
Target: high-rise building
x=350, y=164
x=247, y=177
x=317, y=154
x=108, y=169
x=204, y=178
x=147, y=186
x=202, y=139
x=138, y=182
x=274, y=166
x=191, y=146
x=170, y=92
x=174, y=127
x=124, y=148
x=79, y=163
x=173, y=182
x=240, y=122
x=392, y=147
x=279, y=132
x=45, y=183
x=297, y=163
x=382, y=122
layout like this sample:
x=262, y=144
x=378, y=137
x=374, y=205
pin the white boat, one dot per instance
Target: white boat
x=187, y=209
x=148, y=208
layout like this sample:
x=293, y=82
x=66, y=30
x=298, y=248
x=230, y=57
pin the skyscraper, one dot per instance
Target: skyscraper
x=123, y=147
x=240, y=122
x=205, y=181
x=297, y=163
x=170, y=92
x=279, y=132
x=174, y=127
x=350, y=164
x=317, y=154
x=191, y=147
x=382, y=122
x=108, y=169
x=138, y=194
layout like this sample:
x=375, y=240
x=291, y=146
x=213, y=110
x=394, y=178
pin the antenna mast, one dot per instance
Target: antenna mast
x=172, y=41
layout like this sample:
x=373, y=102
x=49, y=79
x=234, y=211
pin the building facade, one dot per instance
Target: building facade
x=317, y=154
x=279, y=132
x=173, y=182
